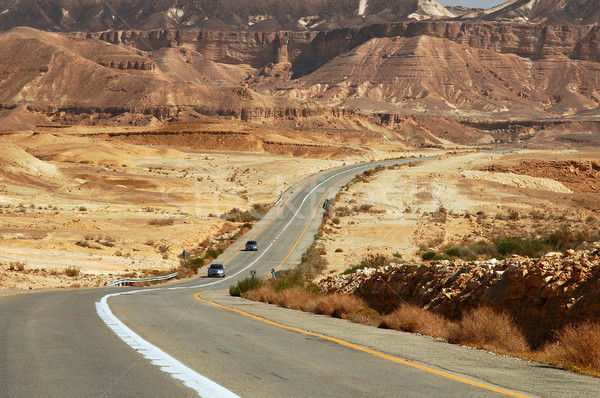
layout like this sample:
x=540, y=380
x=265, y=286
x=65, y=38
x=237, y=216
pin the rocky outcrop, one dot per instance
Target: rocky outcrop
x=128, y=64
x=542, y=294
x=263, y=113
x=309, y=50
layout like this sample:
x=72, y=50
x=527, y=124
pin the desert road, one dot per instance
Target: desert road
x=191, y=338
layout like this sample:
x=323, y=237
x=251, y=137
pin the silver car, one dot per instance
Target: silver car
x=216, y=270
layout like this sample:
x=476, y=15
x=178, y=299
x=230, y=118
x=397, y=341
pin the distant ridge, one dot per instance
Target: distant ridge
x=224, y=15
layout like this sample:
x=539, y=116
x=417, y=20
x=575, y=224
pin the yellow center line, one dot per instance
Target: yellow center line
x=345, y=343
x=366, y=350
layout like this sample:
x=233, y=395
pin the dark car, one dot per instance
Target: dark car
x=252, y=245
x=216, y=270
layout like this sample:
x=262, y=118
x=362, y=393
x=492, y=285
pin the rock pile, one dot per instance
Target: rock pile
x=541, y=294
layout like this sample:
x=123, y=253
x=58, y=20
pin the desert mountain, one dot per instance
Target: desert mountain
x=586, y=12
x=51, y=70
x=225, y=15
x=425, y=73
x=491, y=71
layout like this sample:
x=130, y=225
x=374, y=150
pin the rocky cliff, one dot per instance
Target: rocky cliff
x=309, y=50
x=541, y=294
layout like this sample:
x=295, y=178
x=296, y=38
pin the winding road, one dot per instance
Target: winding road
x=192, y=338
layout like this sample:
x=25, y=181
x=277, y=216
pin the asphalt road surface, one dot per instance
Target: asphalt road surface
x=191, y=339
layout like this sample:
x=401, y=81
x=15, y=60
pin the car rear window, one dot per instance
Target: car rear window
x=216, y=266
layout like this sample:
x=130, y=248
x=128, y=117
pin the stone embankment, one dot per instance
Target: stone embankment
x=541, y=294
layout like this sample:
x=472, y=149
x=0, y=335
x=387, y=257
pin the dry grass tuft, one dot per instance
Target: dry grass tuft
x=265, y=294
x=577, y=348
x=339, y=305
x=366, y=316
x=484, y=328
x=161, y=222
x=296, y=298
x=413, y=319
x=72, y=271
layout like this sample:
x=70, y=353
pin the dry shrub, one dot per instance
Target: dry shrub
x=265, y=294
x=72, y=271
x=484, y=328
x=296, y=298
x=161, y=222
x=366, y=316
x=409, y=318
x=578, y=346
x=339, y=305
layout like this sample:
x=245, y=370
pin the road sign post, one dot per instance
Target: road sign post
x=185, y=255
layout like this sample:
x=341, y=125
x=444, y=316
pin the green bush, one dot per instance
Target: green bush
x=428, y=256
x=196, y=263
x=245, y=285
x=454, y=252
x=509, y=247
x=234, y=291
x=213, y=252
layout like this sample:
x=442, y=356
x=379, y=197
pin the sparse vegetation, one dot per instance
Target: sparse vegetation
x=484, y=328
x=339, y=305
x=245, y=285
x=16, y=266
x=72, y=271
x=577, y=348
x=86, y=244
x=161, y=222
x=428, y=256
x=558, y=240
x=408, y=318
x=256, y=212
x=370, y=261
x=196, y=263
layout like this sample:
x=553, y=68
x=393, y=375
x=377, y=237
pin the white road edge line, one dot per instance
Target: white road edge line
x=203, y=386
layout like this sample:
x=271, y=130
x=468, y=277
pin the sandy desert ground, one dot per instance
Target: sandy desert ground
x=457, y=199
x=109, y=201
x=108, y=207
